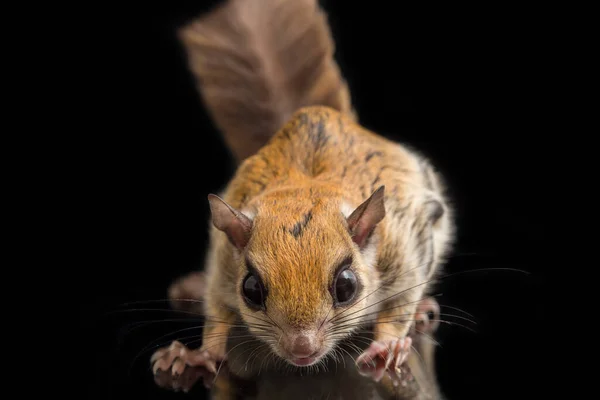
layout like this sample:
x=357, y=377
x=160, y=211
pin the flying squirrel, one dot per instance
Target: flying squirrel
x=326, y=228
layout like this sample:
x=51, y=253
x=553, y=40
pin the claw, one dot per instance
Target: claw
x=178, y=368
x=384, y=357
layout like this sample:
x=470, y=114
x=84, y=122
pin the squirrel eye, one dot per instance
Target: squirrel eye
x=345, y=286
x=253, y=291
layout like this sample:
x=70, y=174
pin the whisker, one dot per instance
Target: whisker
x=262, y=355
x=413, y=287
x=140, y=324
x=130, y=303
x=325, y=319
x=212, y=319
x=358, y=350
x=155, y=310
x=368, y=322
x=252, y=351
x=404, y=321
x=367, y=342
x=153, y=345
x=420, y=284
x=129, y=328
x=484, y=269
x=275, y=323
x=144, y=351
x=201, y=338
x=349, y=355
x=375, y=312
x=374, y=322
x=387, y=298
x=418, y=354
x=254, y=337
x=342, y=324
x=149, y=346
x=266, y=360
x=339, y=356
x=420, y=332
x=379, y=288
x=226, y=354
x=180, y=311
x=457, y=309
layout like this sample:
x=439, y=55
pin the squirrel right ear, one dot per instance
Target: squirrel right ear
x=233, y=223
x=366, y=216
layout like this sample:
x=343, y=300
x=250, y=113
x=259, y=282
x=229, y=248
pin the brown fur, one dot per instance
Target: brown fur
x=257, y=62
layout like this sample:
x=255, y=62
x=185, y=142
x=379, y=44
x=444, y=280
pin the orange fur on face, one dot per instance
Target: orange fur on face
x=299, y=240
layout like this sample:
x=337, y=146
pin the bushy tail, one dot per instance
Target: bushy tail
x=257, y=61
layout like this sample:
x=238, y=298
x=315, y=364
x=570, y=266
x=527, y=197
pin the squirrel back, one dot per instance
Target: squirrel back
x=256, y=62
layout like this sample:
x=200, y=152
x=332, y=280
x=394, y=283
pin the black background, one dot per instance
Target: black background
x=465, y=86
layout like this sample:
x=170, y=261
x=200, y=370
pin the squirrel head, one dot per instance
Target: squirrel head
x=305, y=264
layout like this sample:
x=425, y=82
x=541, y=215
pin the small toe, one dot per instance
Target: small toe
x=178, y=367
x=157, y=354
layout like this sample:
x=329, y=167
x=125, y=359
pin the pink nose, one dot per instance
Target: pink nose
x=302, y=347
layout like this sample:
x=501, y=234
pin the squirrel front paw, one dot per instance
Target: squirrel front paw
x=178, y=368
x=386, y=356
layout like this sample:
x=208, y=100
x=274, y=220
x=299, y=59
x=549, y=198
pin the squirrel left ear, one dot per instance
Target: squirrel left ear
x=366, y=216
x=232, y=222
